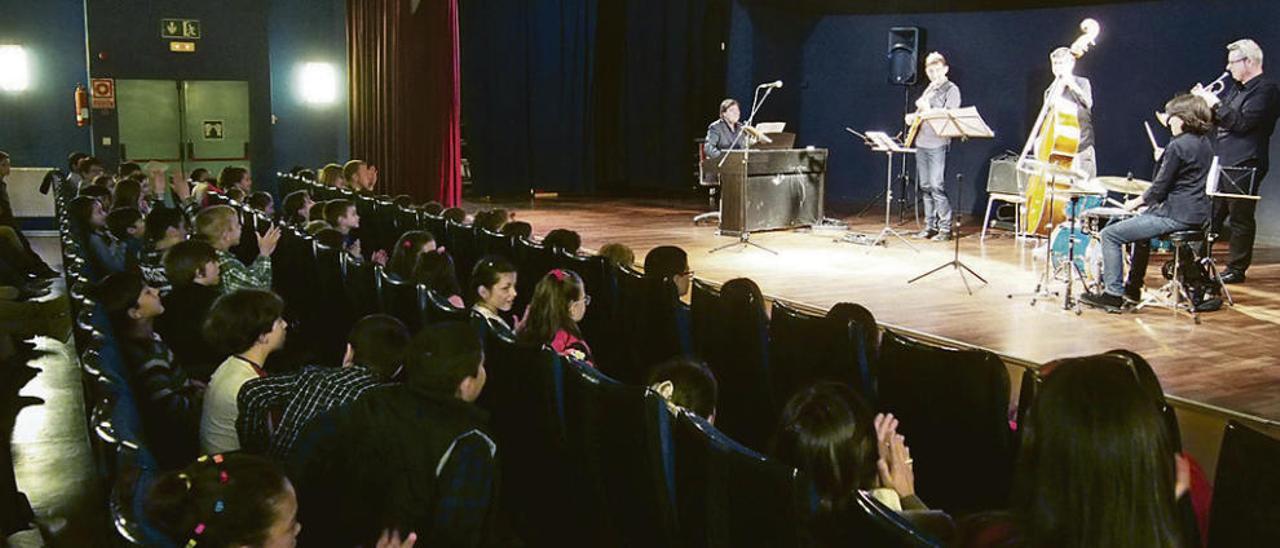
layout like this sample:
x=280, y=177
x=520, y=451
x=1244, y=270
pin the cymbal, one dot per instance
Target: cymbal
x=1123, y=185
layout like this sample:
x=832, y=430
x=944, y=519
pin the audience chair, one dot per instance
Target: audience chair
x=619, y=438
x=735, y=347
x=405, y=300
x=600, y=326
x=463, y=247
x=651, y=325
x=439, y=309
x=806, y=348
x=867, y=522
x=728, y=495
x=1245, y=502
x=953, y=406
x=363, y=285
x=532, y=262
x=524, y=396
x=494, y=243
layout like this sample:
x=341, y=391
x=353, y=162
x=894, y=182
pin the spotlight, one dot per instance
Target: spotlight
x=317, y=83
x=15, y=74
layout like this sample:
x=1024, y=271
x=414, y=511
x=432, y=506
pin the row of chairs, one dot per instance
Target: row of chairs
x=947, y=397
x=125, y=464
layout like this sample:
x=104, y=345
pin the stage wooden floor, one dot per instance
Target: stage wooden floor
x=1230, y=361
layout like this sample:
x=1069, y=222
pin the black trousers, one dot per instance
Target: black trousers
x=1237, y=217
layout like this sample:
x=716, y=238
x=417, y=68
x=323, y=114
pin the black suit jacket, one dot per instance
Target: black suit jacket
x=1178, y=190
x=720, y=137
x=1246, y=117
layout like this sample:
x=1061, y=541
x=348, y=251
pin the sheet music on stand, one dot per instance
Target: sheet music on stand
x=882, y=142
x=1231, y=182
x=964, y=123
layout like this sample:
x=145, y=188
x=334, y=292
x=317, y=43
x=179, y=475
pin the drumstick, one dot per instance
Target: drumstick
x=1151, y=136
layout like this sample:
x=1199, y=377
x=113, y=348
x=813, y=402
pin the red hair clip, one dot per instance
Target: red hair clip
x=559, y=275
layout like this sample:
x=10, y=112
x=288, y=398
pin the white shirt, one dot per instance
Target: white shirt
x=218, y=416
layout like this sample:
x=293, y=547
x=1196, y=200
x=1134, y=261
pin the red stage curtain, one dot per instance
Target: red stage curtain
x=405, y=95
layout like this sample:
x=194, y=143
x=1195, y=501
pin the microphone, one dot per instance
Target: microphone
x=774, y=85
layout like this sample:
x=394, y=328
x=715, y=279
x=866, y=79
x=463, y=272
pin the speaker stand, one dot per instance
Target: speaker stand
x=955, y=262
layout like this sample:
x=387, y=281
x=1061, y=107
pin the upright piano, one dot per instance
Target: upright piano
x=769, y=189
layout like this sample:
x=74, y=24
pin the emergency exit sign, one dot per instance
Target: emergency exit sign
x=180, y=29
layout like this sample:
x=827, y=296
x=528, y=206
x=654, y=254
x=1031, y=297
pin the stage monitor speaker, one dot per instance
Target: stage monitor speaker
x=904, y=55
x=1003, y=177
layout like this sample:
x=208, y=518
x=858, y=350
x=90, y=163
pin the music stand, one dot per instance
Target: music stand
x=880, y=141
x=962, y=123
x=1227, y=183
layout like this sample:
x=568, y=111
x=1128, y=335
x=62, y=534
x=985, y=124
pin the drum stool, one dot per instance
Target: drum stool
x=1174, y=295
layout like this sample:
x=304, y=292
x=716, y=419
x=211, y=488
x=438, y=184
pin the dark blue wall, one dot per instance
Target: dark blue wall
x=835, y=72
x=261, y=42
x=37, y=126
x=307, y=31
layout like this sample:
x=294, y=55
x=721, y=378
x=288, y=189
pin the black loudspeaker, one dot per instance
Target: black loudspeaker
x=904, y=55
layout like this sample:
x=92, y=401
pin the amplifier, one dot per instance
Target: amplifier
x=1004, y=178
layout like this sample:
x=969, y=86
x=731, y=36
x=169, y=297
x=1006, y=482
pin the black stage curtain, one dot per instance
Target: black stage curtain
x=589, y=96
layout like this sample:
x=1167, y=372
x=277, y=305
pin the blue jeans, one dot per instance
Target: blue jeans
x=1138, y=231
x=931, y=165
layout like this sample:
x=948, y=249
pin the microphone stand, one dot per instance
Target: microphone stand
x=955, y=262
x=744, y=236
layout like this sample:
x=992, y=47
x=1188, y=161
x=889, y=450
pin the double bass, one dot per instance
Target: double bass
x=1055, y=139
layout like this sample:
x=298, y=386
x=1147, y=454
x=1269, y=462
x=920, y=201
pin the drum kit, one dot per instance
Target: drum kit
x=1074, y=247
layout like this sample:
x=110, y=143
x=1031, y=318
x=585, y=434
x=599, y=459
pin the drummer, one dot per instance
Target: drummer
x=1176, y=201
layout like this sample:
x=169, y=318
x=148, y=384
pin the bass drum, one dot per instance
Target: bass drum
x=1088, y=256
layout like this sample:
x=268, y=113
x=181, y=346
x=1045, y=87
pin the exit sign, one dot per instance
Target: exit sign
x=180, y=29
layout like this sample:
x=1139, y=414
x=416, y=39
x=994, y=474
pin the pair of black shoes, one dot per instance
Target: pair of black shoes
x=1114, y=304
x=1231, y=276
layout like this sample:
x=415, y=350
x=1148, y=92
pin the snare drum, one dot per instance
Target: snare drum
x=1094, y=220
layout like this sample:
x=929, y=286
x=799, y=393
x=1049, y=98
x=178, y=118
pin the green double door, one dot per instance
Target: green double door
x=184, y=124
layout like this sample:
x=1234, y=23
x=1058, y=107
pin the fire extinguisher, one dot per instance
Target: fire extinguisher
x=82, y=106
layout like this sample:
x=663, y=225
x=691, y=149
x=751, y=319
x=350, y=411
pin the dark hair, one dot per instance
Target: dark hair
x=402, y=200
x=186, y=259
x=487, y=273
x=87, y=163
x=548, y=310
x=231, y=176
x=308, y=174
x=441, y=356
x=433, y=208
x=742, y=296
x=161, y=219
x=405, y=255
x=73, y=160
x=828, y=433
x=378, y=342
x=117, y=293
x=726, y=104
x=261, y=201
x=492, y=220
x=563, y=239
x=129, y=168
x=293, y=202
x=239, y=510
x=618, y=254
x=119, y=221
x=237, y=319
x=455, y=214
x=1096, y=466
x=235, y=193
x=336, y=209
x=316, y=213
x=199, y=174
x=330, y=237
x=80, y=213
x=665, y=261
x=436, y=271
x=128, y=193
x=98, y=192
x=518, y=229
x=1195, y=114
x=693, y=385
